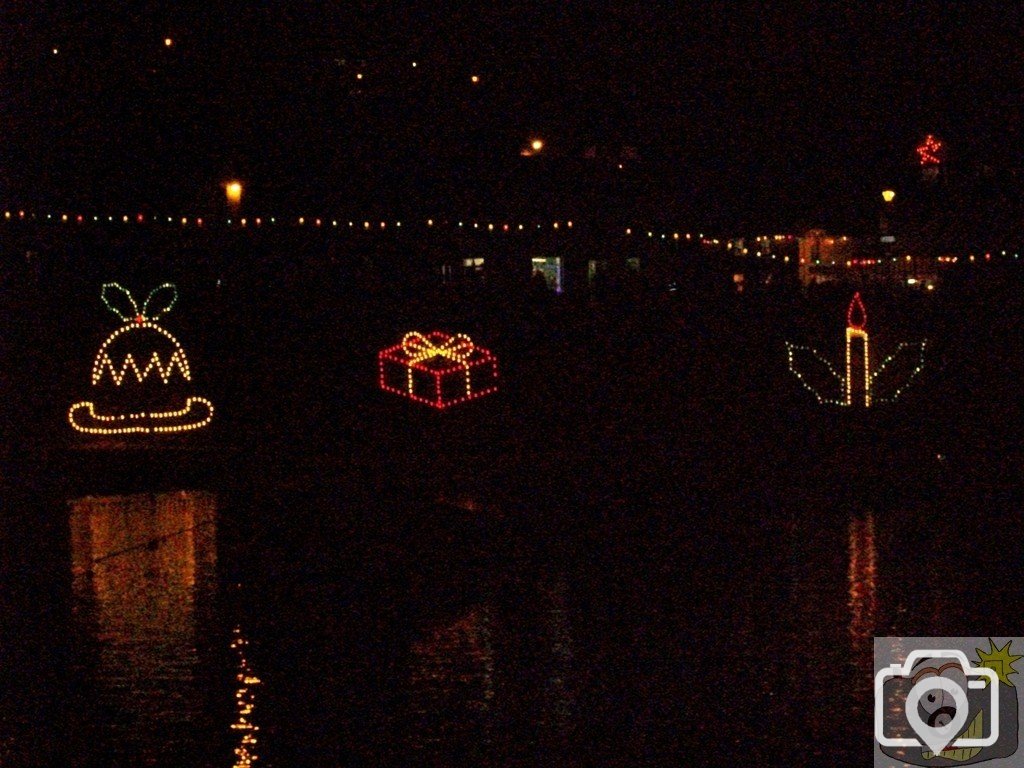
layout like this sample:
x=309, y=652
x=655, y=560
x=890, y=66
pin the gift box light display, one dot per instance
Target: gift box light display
x=861, y=385
x=437, y=369
x=138, y=373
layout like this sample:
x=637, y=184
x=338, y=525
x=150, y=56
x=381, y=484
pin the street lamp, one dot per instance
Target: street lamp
x=233, y=190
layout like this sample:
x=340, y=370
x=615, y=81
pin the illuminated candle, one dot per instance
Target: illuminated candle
x=856, y=321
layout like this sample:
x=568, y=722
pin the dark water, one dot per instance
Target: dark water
x=648, y=548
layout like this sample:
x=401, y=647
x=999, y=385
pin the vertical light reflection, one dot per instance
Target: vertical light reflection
x=140, y=565
x=245, y=702
x=452, y=685
x=862, y=577
x=561, y=697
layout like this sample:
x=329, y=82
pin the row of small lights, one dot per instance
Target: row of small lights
x=258, y=221
x=199, y=221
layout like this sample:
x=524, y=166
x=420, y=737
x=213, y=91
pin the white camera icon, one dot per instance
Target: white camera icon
x=932, y=736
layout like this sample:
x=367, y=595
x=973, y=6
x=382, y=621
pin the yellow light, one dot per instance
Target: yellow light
x=233, y=189
x=168, y=42
x=537, y=145
x=888, y=195
x=474, y=78
x=359, y=76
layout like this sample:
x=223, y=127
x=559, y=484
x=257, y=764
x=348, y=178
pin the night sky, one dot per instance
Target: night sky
x=742, y=114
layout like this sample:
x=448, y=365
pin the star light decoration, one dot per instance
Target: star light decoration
x=438, y=369
x=929, y=151
x=861, y=386
x=163, y=364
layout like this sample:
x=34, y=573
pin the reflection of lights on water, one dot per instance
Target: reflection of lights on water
x=862, y=574
x=143, y=572
x=453, y=679
x=245, y=703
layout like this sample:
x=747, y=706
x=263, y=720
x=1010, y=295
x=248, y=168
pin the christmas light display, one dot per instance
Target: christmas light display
x=929, y=151
x=245, y=703
x=140, y=403
x=860, y=385
x=438, y=369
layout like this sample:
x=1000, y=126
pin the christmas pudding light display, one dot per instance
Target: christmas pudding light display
x=138, y=372
x=438, y=369
x=860, y=385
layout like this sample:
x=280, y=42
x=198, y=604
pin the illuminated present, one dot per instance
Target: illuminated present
x=141, y=377
x=437, y=369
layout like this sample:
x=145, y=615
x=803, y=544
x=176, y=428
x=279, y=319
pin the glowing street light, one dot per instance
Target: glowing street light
x=888, y=195
x=233, y=190
x=537, y=145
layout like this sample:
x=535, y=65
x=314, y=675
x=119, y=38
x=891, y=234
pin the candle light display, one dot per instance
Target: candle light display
x=438, y=369
x=860, y=385
x=138, y=371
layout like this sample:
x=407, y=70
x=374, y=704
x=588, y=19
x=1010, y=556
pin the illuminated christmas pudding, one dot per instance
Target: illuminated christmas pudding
x=437, y=369
x=861, y=386
x=141, y=377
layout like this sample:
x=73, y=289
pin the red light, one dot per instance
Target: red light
x=856, y=315
x=438, y=369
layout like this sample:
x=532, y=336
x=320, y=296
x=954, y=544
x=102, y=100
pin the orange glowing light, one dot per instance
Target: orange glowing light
x=233, y=190
x=536, y=145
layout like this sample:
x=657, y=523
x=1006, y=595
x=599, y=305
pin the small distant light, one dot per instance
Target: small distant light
x=473, y=79
x=55, y=51
x=629, y=231
x=334, y=222
x=366, y=225
x=259, y=221
x=888, y=195
x=430, y=222
x=317, y=222
x=168, y=42
x=490, y=227
x=537, y=145
x=620, y=166
x=302, y=219
x=568, y=224
x=555, y=225
x=414, y=64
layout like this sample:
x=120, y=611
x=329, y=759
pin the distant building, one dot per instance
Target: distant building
x=825, y=257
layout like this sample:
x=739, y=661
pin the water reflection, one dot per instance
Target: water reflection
x=862, y=577
x=452, y=687
x=143, y=572
x=245, y=704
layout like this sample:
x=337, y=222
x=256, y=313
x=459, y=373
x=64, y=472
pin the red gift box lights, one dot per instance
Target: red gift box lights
x=438, y=369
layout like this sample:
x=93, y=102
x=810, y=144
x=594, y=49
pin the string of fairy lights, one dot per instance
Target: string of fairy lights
x=378, y=226
x=859, y=372
x=117, y=357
